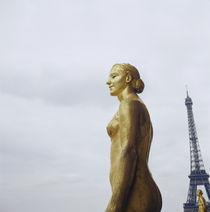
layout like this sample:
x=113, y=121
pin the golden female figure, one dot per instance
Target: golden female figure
x=130, y=130
x=201, y=202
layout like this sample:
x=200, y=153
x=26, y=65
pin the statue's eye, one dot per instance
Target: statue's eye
x=113, y=76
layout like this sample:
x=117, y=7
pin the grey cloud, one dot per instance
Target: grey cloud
x=55, y=88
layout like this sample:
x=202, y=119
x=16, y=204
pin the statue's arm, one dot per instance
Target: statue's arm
x=203, y=202
x=129, y=129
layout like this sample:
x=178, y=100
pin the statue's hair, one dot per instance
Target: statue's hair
x=199, y=191
x=137, y=83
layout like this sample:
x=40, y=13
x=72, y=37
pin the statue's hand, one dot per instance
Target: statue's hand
x=110, y=208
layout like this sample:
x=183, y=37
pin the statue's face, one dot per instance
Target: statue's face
x=116, y=81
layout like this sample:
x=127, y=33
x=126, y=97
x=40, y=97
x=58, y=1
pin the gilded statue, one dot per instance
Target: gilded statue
x=201, y=202
x=130, y=130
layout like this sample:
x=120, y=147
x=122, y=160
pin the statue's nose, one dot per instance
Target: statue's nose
x=108, y=82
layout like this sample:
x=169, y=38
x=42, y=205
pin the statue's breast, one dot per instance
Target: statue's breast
x=113, y=125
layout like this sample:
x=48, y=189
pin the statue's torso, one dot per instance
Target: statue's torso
x=144, y=191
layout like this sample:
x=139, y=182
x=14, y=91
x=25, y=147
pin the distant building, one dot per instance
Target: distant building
x=198, y=175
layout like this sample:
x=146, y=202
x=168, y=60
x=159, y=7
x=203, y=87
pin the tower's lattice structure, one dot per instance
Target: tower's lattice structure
x=198, y=175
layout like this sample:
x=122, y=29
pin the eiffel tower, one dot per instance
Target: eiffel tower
x=198, y=175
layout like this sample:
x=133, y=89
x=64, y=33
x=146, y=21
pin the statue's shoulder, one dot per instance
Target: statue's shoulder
x=132, y=102
x=134, y=105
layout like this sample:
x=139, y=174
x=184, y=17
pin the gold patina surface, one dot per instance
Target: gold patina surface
x=130, y=130
x=201, y=202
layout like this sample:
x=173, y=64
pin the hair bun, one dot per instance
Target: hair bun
x=139, y=87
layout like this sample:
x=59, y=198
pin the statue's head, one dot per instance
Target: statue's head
x=199, y=192
x=123, y=75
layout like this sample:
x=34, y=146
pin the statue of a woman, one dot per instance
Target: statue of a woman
x=130, y=130
x=201, y=202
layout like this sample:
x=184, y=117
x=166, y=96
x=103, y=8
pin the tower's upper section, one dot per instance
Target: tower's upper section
x=195, y=153
x=188, y=100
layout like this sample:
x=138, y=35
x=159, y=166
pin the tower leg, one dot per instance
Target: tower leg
x=192, y=193
x=207, y=187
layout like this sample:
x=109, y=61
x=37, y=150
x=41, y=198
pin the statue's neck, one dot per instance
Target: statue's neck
x=126, y=94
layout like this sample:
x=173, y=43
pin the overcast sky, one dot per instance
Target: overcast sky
x=55, y=105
